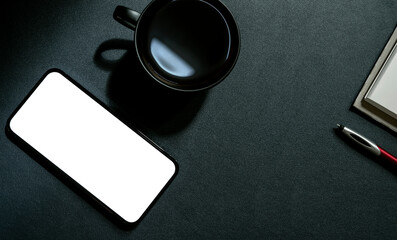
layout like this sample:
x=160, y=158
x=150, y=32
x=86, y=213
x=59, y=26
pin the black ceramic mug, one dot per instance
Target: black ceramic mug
x=186, y=45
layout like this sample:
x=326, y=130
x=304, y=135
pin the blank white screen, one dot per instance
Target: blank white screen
x=92, y=146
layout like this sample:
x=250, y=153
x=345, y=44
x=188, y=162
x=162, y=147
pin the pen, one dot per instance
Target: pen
x=366, y=144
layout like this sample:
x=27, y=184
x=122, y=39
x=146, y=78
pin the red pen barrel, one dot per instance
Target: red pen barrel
x=387, y=156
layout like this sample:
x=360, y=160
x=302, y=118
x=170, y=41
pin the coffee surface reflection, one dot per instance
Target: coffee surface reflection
x=170, y=61
x=187, y=40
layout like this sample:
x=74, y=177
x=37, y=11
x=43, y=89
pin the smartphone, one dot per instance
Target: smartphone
x=76, y=135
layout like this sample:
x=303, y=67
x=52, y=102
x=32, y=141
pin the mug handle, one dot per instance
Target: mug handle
x=126, y=16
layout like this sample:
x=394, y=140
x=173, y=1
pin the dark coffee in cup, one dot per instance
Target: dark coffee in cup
x=186, y=45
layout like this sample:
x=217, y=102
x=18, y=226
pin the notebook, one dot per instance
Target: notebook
x=383, y=91
x=378, y=97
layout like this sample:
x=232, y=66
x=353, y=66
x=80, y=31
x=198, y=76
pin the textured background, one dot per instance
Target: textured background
x=257, y=154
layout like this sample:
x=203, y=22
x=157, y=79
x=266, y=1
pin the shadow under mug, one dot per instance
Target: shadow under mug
x=185, y=45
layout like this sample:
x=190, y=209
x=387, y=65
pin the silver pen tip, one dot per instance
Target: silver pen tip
x=340, y=126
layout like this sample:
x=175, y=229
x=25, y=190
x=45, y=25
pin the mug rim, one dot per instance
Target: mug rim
x=226, y=67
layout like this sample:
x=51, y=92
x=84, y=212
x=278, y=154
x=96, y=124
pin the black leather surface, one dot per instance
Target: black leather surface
x=257, y=154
